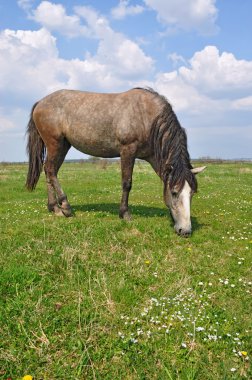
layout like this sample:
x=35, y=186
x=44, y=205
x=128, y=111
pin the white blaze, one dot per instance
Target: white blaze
x=185, y=197
x=180, y=205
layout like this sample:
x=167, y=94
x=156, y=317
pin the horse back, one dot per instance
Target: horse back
x=96, y=124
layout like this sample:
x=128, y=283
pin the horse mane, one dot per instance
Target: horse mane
x=169, y=143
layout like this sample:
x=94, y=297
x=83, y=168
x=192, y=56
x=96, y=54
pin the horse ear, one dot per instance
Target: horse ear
x=198, y=170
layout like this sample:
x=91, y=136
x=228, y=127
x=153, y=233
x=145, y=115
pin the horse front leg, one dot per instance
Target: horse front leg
x=127, y=165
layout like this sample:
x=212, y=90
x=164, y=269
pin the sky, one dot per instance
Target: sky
x=198, y=53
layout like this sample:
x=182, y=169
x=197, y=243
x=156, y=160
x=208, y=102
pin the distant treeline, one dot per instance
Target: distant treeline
x=96, y=160
x=221, y=160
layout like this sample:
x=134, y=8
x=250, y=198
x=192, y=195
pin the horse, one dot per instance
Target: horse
x=138, y=123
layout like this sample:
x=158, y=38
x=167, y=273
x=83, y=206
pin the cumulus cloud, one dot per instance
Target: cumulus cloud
x=26, y=59
x=54, y=18
x=209, y=93
x=30, y=59
x=209, y=80
x=121, y=55
x=183, y=96
x=98, y=25
x=214, y=72
x=20, y=41
x=199, y=15
x=116, y=54
x=123, y=10
x=30, y=67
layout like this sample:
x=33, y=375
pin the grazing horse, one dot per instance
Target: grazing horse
x=138, y=123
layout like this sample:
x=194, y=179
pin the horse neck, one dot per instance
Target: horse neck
x=170, y=148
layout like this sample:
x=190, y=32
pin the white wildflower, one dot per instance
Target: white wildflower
x=200, y=328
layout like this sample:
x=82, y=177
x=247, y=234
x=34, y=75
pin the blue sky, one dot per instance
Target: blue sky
x=198, y=53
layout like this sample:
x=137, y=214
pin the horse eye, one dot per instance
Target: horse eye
x=174, y=193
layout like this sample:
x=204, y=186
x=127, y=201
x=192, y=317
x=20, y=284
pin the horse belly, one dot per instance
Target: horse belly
x=93, y=140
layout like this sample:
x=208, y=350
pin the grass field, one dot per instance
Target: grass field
x=94, y=297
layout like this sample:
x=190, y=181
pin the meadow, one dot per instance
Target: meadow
x=95, y=297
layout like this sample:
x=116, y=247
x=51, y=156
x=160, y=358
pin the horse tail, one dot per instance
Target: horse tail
x=35, y=151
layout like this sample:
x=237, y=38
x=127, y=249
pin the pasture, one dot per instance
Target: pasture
x=95, y=297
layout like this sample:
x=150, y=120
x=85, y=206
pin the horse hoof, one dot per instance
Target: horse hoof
x=126, y=216
x=58, y=212
x=67, y=212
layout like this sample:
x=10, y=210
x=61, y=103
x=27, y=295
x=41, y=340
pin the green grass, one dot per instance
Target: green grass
x=94, y=297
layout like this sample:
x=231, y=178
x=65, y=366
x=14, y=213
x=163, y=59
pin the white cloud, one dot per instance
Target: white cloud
x=124, y=57
x=209, y=93
x=244, y=104
x=116, y=56
x=30, y=66
x=31, y=59
x=17, y=43
x=54, y=18
x=209, y=80
x=25, y=4
x=119, y=54
x=176, y=59
x=214, y=72
x=97, y=24
x=26, y=63
x=199, y=15
x=123, y=9
x=183, y=97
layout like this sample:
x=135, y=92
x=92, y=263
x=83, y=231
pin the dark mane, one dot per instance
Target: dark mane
x=169, y=143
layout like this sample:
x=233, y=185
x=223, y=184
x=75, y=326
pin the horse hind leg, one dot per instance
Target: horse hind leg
x=57, y=199
x=127, y=164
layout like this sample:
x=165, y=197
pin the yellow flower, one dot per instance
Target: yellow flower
x=244, y=353
x=27, y=377
x=147, y=262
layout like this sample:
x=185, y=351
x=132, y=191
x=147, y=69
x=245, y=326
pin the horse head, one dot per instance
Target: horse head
x=178, y=199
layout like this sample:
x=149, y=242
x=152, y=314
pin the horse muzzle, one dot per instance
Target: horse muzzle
x=184, y=232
